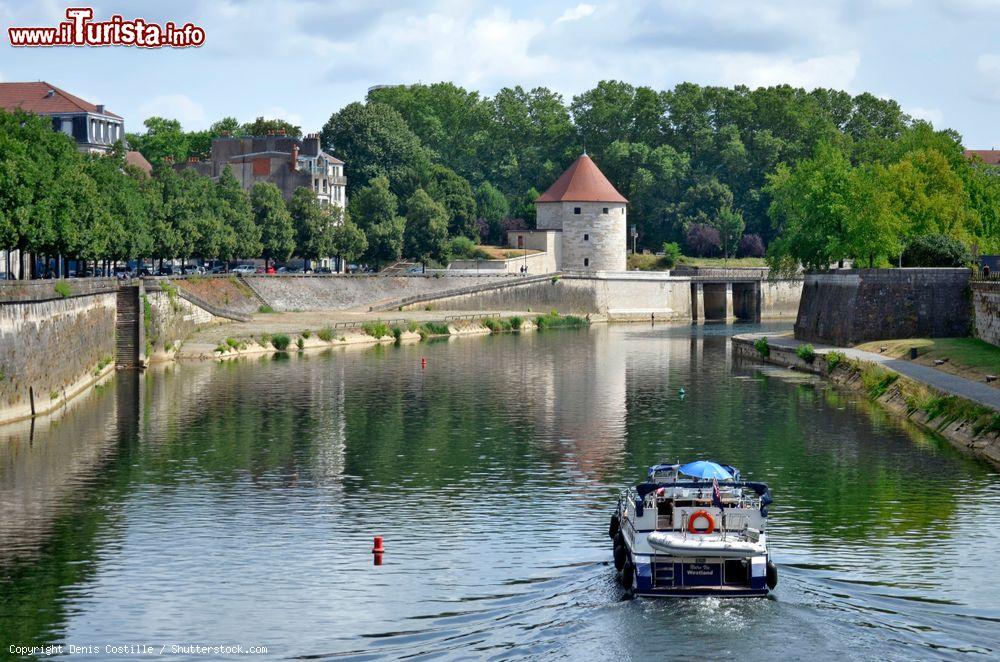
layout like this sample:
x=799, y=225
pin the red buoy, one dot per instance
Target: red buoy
x=377, y=548
x=423, y=362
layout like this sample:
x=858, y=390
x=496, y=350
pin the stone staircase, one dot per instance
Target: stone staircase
x=127, y=321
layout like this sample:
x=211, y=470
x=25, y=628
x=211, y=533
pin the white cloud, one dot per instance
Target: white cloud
x=177, y=106
x=582, y=10
x=932, y=115
x=836, y=71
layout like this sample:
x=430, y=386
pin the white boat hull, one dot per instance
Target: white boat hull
x=679, y=544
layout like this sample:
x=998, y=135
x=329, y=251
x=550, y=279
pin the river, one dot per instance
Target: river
x=235, y=504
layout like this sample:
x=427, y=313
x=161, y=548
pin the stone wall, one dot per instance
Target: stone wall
x=168, y=320
x=986, y=308
x=53, y=347
x=286, y=293
x=847, y=307
x=593, y=240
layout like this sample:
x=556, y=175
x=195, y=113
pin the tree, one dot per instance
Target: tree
x=751, y=245
x=314, y=225
x=730, y=225
x=929, y=194
x=426, y=236
x=936, y=250
x=453, y=193
x=615, y=110
x=163, y=138
x=375, y=209
x=491, y=208
x=277, y=233
x=261, y=127
x=375, y=140
x=348, y=241
x=227, y=125
x=233, y=207
x=702, y=240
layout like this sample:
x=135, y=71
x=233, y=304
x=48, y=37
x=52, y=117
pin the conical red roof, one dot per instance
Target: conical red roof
x=582, y=182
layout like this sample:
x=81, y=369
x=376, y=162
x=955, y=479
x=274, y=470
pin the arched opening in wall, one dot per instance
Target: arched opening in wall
x=715, y=302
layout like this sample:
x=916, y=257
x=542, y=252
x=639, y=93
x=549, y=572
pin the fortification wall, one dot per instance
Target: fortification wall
x=780, y=298
x=852, y=306
x=986, y=308
x=169, y=319
x=286, y=293
x=53, y=346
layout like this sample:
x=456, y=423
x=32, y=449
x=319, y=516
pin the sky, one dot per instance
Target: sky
x=303, y=60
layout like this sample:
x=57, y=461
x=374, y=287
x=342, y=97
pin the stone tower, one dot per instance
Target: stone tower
x=590, y=214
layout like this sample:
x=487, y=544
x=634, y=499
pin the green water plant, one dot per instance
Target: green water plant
x=280, y=341
x=376, y=329
x=325, y=334
x=833, y=359
x=762, y=347
x=806, y=352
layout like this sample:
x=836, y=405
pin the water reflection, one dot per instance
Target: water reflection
x=244, y=495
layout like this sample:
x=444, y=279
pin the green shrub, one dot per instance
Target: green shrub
x=265, y=339
x=299, y=342
x=397, y=333
x=325, y=334
x=877, y=379
x=554, y=320
x=343, y=338
x=265, y=308
x=280, y=341
x=413, y=326
x=555, y=279
x=63, y=289
x=936, y=250
x=762, y=347
x=376, y=329
x=806, y=353
x=306, y=334
x=516, y=323
x=671, y=253
x=833, y=359
x=435, y=329
x=232, y=342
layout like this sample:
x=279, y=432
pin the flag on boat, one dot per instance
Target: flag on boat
x=716, y=495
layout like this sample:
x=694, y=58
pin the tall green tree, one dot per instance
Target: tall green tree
x=261, y=127
x=314, y=225
x=233, y=207
x=426, y=236
x=348, y=242
x=452, y=191
x=375, y=209
x=277, y=233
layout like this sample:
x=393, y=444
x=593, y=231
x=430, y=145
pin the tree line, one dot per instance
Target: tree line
x=720, y=171
x=57, y=201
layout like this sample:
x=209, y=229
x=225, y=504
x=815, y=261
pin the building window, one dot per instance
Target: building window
x=576, y=210
x=605, y=210
x=586, y=237
x=586, y=261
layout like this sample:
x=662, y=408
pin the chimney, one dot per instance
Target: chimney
x=100, y=108
x=310, y=146
x=192, y=159
x=293, y=165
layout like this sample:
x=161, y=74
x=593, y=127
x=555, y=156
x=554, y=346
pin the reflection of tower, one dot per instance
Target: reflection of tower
x=326, y=395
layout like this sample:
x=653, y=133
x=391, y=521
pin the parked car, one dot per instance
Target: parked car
x=165, y=270
x=218, y=269
x=244, y=269
x=143, y=271
x=324, y=270
x=189, y=269
x=270, y=270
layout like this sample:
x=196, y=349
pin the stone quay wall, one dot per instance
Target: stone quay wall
x=986, y=308
x=53, y=346
x=851, y=306
x=169, y=318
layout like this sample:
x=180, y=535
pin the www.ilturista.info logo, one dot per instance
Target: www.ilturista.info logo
x=80, y=30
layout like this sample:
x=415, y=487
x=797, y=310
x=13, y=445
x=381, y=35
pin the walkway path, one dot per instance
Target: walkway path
x=965, y=388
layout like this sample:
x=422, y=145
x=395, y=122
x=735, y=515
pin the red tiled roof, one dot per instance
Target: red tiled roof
x=582, y=182
x=989, y=156
x=136, y=159
x=35, y=98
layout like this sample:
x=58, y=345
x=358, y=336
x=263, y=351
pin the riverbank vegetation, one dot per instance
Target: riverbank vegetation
x=968, y=357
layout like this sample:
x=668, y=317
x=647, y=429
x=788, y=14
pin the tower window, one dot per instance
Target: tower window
x=586, y=237
x=586, y=261
x=576, y=210
x=605, y=210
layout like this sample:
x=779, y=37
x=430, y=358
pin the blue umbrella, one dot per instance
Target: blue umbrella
x=705, y=469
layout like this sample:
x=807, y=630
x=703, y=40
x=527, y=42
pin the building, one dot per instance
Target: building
x=989, y=156
x=93, y=127
x=581, y=220
x=286, y=162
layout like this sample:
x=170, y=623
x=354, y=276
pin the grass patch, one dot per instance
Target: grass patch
x=265, y=308
x=102, y=364
x=806, y=352
x=833, y=359
x=325, y=334
x=498, y=325
x=648, y=262
x=434, y=329
x=972, y=353
x=762, y=347
x=376, y=329
x=554, y=320
x=299, y=342
x=516, y=323
x=63, y=289
x=877, y=379
x=720, y=262
x=397, y=333
x=280, y=341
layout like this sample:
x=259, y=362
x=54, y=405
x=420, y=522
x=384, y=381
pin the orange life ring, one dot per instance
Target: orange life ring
x=701, y=513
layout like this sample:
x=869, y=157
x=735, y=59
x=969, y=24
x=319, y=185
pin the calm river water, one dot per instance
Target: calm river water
x=235, y=504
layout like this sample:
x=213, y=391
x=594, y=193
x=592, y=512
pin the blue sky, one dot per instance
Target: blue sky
x=304, y=60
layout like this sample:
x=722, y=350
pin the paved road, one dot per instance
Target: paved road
x=960, y=386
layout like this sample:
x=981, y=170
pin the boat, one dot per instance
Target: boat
x=694, y=529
